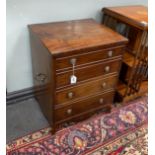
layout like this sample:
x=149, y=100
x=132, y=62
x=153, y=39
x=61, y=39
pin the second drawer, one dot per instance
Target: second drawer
x=85, y=73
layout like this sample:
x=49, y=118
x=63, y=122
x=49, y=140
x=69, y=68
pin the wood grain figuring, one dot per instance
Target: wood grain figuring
x=106, y=108
x=136, y=16
x=143, y=92
x=135, y=67
x=98, y=52
x=62, y=37
x=40, y=55
x=85, y=73
x=88, y=58
x=79, y=107
x=86, y=89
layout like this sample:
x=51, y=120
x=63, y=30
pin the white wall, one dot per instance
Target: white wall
x=20, y=13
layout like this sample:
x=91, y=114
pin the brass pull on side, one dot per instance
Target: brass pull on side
x=41, y=77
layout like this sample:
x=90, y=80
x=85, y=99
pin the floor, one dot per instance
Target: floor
x=22, y=118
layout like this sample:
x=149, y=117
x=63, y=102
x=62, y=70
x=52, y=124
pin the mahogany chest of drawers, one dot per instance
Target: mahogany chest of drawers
x=75, y=68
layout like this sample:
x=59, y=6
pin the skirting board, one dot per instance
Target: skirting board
x=24, y=94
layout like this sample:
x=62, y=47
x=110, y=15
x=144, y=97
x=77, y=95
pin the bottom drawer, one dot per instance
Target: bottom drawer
x=81, y=117
x=90, y=104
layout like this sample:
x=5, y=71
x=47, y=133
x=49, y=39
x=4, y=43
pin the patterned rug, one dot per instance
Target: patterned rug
x=121, y=132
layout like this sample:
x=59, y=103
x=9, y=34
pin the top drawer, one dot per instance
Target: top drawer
x=90, y=57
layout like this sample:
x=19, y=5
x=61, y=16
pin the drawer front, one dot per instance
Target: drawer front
x=85, y=73
x=84, y=116
x=83, y=90
x=82, y=59
x=89, y=104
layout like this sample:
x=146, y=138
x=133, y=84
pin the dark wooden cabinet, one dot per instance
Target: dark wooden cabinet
x=90, y=50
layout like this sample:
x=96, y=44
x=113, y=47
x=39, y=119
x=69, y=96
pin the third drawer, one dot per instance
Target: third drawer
x=87, y=89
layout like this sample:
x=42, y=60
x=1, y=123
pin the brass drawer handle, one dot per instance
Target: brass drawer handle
x=101, y=100
x=41, y=77
x=107, y=69
x=110, y=53
x=104, y=85
x=73, y=61
x=69, y=111
x=70, y=95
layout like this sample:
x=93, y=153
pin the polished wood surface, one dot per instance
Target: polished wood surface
x=83, y=73
x=96, y=52
x=121, y=89
x=135, y=27
x=86, y=89
x=88, y=58
x=62, y=37
x=80, y=107
x=43, y=76
x=84, y=115
x=136, y=16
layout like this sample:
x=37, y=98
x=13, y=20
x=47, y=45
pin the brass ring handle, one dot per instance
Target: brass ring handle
x=104, y=85
x=101, y=100
x=41, y=77
x=110, y=53
x=69, y=111
x=73, y=61
x=107, y=69
x=70, y=95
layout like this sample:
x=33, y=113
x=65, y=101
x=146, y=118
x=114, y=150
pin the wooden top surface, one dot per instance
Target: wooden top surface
x=134, y=15
x=61, y=37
